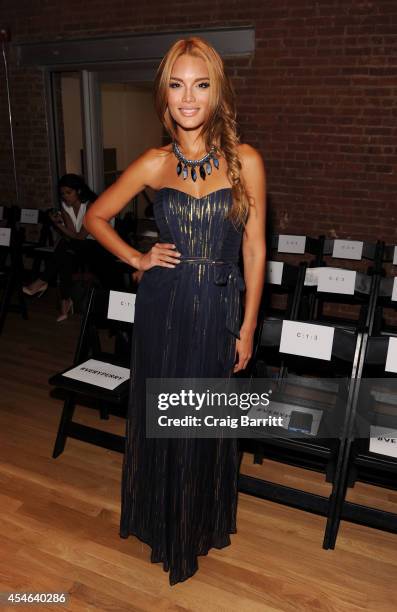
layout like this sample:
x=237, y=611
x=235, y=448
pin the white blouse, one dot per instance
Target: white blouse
x=77, y=221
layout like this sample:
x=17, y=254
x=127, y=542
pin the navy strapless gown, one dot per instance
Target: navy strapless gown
x=180, y=495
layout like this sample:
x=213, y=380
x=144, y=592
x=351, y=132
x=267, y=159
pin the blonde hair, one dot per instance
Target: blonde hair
x=220, y=127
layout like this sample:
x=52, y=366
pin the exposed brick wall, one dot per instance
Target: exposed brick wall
x=318, y=99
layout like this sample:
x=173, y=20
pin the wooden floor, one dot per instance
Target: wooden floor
x=59, y=518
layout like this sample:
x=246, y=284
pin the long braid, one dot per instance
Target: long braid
x=227, y=134
x=230, y=142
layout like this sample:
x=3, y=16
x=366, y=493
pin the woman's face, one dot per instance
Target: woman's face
x=69, y=196
x=188, y=92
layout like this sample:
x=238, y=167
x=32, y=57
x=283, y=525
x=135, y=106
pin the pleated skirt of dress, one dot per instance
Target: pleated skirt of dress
x=179, y=496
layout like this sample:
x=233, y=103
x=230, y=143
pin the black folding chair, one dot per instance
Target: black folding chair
x=303, y=388
x=322, y=284
x=283, y=281
x=336, y=250
x=386, y=307
x=11, y=272
x=283, y=284
x=43, y=248
x=374, y=412
x=301, y=249
x=90, y=347
x=289, y=247
x=348, y=290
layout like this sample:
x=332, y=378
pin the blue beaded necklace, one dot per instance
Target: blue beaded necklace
x=204, y=163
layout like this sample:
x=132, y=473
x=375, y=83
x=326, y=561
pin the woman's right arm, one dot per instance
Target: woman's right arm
x=96, y=221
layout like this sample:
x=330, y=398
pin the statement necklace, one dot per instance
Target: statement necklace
x=204, y=163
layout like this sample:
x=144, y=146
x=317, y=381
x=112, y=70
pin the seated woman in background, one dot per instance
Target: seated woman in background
x=76, y=197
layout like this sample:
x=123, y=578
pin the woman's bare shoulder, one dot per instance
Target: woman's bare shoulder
x=149, y=164
x=248, y=154
x=159, y=153
x=253, y=169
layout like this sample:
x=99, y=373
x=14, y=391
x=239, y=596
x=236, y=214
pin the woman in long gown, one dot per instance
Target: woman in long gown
x=180, y=495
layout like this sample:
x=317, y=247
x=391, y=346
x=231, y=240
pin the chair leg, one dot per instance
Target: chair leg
x=67, y=415
x=104, y=412
x=22, y=304
x=338, y=495
x=329, y=538
x=333, y=523
x=5, y=300
x=2, y=310
x=330, y=471
x=36, y=266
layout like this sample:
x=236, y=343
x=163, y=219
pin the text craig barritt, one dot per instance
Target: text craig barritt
x=211, y=421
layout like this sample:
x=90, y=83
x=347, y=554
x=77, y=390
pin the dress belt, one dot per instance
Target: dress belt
x=227, y=272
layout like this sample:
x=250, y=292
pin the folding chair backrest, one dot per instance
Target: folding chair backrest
x=281, y=245
x=310, y=348
x=381, y=357
x=5, y=245
x=111, y=311
x=388, y=257
x=282, y=279
x=313, y=366
x=344, y=252
x=341, y=287
x=386, y=307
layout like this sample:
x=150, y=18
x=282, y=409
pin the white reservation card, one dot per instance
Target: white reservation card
x=274, y=272
x=307, y=339
x=395, y=256
x=291, y=244
x=336, y=280
x=5, y=236
x=394, y=292
x=348, y=249
x=383, y=441
x=29, y=215
x=391, y=359
x=311, y=277
x=99, y=373
x=1, y=213
x=121, y=306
